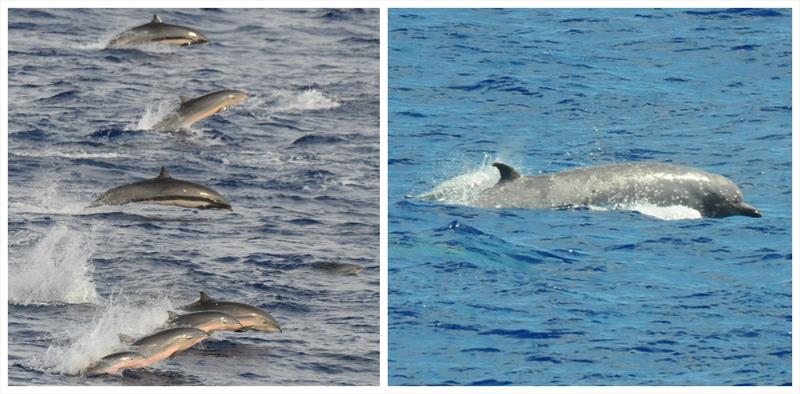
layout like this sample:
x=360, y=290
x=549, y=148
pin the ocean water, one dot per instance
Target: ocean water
x=298, y=161
x=641, y=296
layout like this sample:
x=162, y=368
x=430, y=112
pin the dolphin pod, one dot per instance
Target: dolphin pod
x=615, y=184
x=196, y=109
x=182, y=331
x=165, y=190
x=158, y=32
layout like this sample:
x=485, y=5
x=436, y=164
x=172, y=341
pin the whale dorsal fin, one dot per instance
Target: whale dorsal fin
x=164, y=173
x=125, y=339
x=185, y=99
x=507, y=173
x=172, y=314
x=156, y=19
x=204, y=297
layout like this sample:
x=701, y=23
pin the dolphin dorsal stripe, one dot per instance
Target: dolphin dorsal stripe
x=156, y=19
x=164, y=173
x=204, y=297
x=507, y=173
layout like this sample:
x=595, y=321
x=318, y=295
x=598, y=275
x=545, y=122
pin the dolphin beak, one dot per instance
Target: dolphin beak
x=748, y=210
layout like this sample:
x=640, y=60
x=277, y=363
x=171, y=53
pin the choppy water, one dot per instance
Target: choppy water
x=587, y=297
x=298, y=161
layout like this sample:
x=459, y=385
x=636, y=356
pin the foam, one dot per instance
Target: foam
x=305, y=100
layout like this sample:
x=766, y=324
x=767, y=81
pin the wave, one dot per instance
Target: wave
x=55, y=270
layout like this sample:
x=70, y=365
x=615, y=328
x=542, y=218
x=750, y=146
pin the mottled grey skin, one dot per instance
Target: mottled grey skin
x=610, y=185
x=338, y=268
x=208, y=321
x=114, y=364
x=159, y=32
x=164, y=344
x=197, y=109
x=251, y=317
x=165, y=190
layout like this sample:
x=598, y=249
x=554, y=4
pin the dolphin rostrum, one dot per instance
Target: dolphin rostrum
x=618, y=184
x=251, y=317
x=159, y=32
x=166, y=190
x=196, y=109
x=114, y=364
x=208, y=321
x=164, y=344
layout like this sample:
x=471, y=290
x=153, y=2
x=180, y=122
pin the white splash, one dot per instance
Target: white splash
x=464, y=188
x=76, y=154
x=86, y=342
x=56, y=269
x=154, y=112
x=672, y=212
x=50, y=198
x=305, y=100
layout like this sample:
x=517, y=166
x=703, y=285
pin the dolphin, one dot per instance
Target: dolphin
x=196, y=109
x=251, y=317
x=160, y=32
x=114, y=364
x=338, y=268
x=164, y=344
x=208, y=321
x=618, y=184
x=165, y=190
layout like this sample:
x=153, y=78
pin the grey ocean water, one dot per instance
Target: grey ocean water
x=298, y=161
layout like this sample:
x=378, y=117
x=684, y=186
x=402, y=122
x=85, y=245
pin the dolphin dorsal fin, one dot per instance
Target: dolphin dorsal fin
x=125, y=339
x=184, y=99
x=164, y=173
x=204, y=297
x=172, y=314
x=156, y=19
x=507, y=173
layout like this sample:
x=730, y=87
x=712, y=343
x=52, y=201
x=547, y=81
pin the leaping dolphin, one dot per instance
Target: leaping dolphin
x=618, y=184
x=160, y=32
x=115, y=363
x=165, y=190
x=196, y=109
x=251, y=317
x=164, y=344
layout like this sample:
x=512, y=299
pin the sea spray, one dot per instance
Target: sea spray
x=55, y=270
x=83, y=343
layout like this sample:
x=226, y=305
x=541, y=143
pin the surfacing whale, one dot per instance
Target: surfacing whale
x=615, y=185
x=159, y=32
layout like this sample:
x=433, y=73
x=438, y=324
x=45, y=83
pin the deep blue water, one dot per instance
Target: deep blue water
x=298, y=161
x=586, y=296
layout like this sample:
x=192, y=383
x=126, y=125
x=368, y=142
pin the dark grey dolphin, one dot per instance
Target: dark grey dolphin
x=251, y=317
x=115, y=363
x=160, y=32
x=618, y=184
x=197, y=109
x=338, y=268
x=164, y=344
x=208, y=321
x=165, y=190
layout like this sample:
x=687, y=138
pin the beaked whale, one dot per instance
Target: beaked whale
x=613, y=185
x=159, y=32
x=165, y=190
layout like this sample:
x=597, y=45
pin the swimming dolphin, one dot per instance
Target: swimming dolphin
x=114, y=364
x=165, y=190
x=617, y=184
x=251, y=317
x=164, y=344
x=160, y=32
x=208, y=321
x=196, y=109
x=338, y=268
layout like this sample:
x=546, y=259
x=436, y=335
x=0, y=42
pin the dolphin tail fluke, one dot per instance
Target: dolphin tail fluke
x=507, y=173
